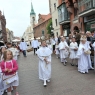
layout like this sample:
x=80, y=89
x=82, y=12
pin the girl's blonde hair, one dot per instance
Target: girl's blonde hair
x=5, y=54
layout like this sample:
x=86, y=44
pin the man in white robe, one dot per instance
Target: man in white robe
x=23, y=47
x=83, y=60
x=44, y=54
x=35, y=44
x=63, y=47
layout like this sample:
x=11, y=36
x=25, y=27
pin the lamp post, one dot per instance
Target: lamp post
x=0, y=31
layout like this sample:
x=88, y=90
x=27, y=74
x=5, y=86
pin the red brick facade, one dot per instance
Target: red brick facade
x=40, y=28
x=3, y=24
x=76, y=22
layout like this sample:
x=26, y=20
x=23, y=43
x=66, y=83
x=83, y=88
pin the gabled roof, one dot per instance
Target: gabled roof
x=44, y=17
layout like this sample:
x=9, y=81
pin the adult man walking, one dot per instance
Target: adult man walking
x=35, y=44
x=23, y=47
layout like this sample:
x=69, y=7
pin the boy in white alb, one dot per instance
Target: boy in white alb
x=44, y=55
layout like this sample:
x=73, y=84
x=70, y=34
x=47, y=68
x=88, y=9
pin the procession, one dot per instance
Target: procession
x=47, y=47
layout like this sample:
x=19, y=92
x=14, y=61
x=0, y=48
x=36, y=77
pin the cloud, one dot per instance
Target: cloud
x=17, y=13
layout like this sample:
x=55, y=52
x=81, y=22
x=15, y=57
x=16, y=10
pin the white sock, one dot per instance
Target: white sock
x=9, y=93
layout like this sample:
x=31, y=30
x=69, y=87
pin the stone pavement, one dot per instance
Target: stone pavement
x=66, y=80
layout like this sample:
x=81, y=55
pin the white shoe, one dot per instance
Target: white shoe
x=45, y=84
x=48, y=80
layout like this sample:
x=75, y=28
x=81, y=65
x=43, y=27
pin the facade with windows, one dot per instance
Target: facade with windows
x=87, y=12
x=76, y=16
x=40, y=29
x=53, y=4
x=64, y=19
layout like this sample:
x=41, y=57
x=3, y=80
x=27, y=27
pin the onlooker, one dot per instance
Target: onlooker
x=35, y=44
x=23, y=47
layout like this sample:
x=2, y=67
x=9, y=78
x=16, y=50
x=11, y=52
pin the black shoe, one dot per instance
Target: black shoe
x=72, y=64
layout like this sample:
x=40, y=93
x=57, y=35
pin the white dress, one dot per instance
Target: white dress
x=44, y=68
x=82, y=58
x=57, y=49
x=94, y=53
x=63, y=49
x=72, y=51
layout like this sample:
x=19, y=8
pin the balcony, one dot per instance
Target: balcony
x=86, y=7
x=63, y=14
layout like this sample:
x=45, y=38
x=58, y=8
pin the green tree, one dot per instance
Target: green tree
x=49, y=27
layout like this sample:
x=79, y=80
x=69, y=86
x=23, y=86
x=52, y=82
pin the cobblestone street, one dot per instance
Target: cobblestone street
x=66, y=80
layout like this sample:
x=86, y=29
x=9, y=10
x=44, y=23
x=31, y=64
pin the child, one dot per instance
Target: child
x=57, y=50
x=12, y=48
x=49, y=46
x=93, y=45
x=73, y=50
x=63, y=47
x=9, y=68
x=44, y=54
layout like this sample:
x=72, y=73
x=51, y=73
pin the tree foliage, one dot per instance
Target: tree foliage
x=49, y=27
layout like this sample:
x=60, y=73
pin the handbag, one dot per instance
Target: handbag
x=11, y=78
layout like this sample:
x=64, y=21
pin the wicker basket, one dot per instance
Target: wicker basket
x=29, y=50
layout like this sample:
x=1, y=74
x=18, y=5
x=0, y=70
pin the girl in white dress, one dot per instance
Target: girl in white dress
x=63, y=47
x=82, y=55
x=73, y=50
x=57, y=50
x=93, y=45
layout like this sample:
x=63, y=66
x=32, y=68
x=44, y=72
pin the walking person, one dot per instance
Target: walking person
x=44, y=54
x=23, y=47
x=63, y=47
x=9, y=68
x=93, y=45
x=73, y=51
x=82, y=55
x=35, y=44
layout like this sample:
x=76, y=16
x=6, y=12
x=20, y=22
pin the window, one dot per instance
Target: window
x=54, y=6
x=56, y=22
x=56, y=33
x=42, y=32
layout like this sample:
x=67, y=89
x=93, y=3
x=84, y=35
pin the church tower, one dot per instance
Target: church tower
x=32, y=16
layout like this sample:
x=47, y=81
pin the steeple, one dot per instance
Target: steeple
x=32, y=10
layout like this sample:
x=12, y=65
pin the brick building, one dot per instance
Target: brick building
x=40, y=29
x=76, y=15
x=3, y=34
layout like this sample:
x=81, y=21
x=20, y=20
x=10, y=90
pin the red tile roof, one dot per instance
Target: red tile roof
x=45, y=18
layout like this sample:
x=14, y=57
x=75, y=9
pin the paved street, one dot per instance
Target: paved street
x=65, y=79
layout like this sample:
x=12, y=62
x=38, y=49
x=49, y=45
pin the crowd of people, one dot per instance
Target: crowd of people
x=79, y=48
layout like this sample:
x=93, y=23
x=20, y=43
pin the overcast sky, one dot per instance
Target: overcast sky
x=17, y=13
